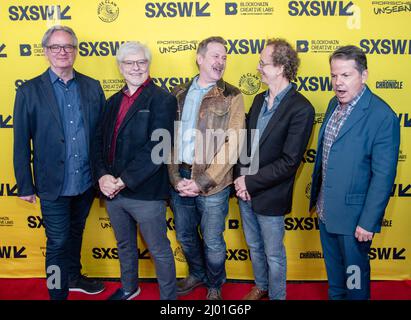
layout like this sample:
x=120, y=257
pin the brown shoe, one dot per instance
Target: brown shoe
x=255, y=294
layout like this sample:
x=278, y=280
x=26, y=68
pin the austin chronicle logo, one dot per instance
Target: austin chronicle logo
x=108, y=11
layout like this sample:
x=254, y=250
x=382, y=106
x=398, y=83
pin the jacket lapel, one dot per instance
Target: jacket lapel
x=138, y=104
x=50, y=98
x=281, y=109
x=357, y=114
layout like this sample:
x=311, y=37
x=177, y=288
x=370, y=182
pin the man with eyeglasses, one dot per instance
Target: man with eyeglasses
x=57, y=113
x=129, y=174
x=284, y=119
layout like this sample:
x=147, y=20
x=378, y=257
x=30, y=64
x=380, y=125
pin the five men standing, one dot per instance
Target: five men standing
x=58, y=113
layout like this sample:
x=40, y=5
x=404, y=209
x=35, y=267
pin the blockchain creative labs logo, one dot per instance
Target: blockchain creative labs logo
x=390, y=7
x=5, y=221
x=389, y=84
x=112, y=85
x=179, y=255
x=176, y=46
x=28, y=50
x=402, y=156
x=318, y=46
x=249, y=8
x=249, y=83
x=108, y=11
x=3, y=53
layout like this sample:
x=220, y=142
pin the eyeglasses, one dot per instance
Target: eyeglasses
x=55, y=48
x=262, y=64
x=142, y=64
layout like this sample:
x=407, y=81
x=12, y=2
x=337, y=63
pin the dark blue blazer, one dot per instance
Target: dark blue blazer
x=144, y=178
x=361, y=166
x=37, y=120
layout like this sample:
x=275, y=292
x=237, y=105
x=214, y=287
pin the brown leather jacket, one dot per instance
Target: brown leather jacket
x=221, y=109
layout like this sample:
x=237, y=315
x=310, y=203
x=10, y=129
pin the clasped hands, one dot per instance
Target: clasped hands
x=187, y=188
x=110, y=186
x=241, y=189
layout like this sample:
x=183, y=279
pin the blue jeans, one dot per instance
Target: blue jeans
x=125, y=214
x=205, y=254
x=64, y=221
x=265, y=236
x=343, y=255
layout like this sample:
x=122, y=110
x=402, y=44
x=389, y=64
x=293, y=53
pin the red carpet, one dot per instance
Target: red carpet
x=35, y=289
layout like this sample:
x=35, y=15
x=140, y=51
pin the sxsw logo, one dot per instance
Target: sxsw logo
x=112, y=253
x=5, y=122
x=386, y=46
x=35, y=13
x=308, y=223
x=401, y=190
x=314, y=84
x=319, y=8
x=237, y=254
x=230, y=8
x=8, y=190
x=35, y=222
x=99, y=48
x=12, y=252
x=245, y=46
x=170, y=224
x=2, y=53
x=169, y=83
x=176, y=9
x=309, y=156
x=405, y=120
x=387, y=253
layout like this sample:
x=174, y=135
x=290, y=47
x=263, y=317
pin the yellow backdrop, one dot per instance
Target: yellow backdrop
x=172, y=29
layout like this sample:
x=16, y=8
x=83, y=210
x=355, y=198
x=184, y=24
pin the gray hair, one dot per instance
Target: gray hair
x=50, y=31
x=132, y=47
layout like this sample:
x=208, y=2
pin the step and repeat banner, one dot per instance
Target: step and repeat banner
x=172, y=30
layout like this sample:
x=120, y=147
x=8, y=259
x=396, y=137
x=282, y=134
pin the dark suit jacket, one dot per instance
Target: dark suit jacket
x=361, y=167
x=153, y=109
x=281, y=148
x=37, y=120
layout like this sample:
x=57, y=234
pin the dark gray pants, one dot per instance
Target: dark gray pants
x=150, y=216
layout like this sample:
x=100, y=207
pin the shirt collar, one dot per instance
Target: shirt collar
x=196, y=86
x=279, y=96
x=143, y=85
x=54, y=77
x=354, y=101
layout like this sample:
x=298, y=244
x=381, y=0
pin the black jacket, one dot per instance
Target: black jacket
x=281, y=148
x=37, y=119
x=153, y=109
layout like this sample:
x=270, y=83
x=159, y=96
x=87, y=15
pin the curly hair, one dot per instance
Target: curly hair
x=285, y=55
